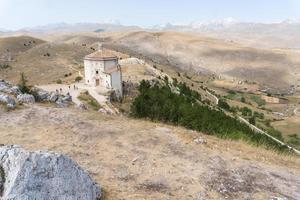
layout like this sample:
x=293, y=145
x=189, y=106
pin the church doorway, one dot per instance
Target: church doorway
x=97, y=82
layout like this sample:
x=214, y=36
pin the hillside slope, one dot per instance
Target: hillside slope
x=135, y=159
x=45, y=62
x=274, y=68
x=16, y=45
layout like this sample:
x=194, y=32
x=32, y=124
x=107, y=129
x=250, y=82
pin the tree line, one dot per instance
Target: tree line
x=184, y=107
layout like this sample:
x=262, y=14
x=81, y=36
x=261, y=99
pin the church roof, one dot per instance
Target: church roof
x=101, y=55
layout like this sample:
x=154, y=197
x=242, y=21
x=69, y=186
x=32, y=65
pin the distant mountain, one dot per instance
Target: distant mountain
x=285, y=34
x=78, y=27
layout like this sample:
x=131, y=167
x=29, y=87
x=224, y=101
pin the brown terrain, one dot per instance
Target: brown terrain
x=136, y=159
x=278, y=69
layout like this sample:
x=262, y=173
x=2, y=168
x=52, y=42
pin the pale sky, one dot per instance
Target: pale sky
x=16, y=14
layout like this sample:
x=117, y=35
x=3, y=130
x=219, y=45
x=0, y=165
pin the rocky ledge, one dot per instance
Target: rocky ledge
x=11, y=96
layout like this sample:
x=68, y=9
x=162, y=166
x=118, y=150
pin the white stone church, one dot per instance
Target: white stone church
x=103, y=70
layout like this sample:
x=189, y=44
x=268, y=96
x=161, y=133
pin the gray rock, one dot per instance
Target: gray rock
x=53, y=97
x=82, y=106
x=8, y=100
x=26, y=98
x=61, y=103
x=15, y=91
x=44, y=176
x=2, y=180
x=200, y=140
x=42, y=95
x=11, y=106
x=4, y=85
x=67, y=98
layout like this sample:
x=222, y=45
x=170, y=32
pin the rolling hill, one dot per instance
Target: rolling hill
x=277, y=69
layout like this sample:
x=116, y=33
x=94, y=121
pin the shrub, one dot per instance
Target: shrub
x=246, y=111
x=59, y=81
x=252, y=121
x=23, y=84
x=243, y=100
x=78, y=78
x=223, y=104
x=259, y=115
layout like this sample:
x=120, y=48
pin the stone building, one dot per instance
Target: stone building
x=103, y=70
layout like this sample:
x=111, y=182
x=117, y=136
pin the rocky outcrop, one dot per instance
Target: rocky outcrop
x=9, y=94
x=43, y=175
x=25, y=98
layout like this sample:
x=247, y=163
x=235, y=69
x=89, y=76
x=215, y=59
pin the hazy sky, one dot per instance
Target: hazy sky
x=15, y=14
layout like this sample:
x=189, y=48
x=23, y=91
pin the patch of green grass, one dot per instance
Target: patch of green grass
x=260, y=102
x=294, y=140
x=87, y=98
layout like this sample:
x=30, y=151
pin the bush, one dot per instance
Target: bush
x=246, y=111
x=252, y=121
x=23, y=84
x=223, y=104
x=59, y=81
x=159, y=103
x=243, y=100
x=78, y=78
x=259, y=115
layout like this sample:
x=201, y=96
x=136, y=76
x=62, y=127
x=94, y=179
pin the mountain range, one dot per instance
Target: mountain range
x=283, y=34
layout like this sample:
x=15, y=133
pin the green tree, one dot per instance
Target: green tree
x=252, y=120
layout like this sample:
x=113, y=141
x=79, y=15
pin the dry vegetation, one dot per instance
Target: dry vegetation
x=136, y=159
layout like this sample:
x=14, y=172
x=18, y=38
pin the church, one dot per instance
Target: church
x=102, y=69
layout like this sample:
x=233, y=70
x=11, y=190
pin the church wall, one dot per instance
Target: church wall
x=110, y=64
x=117, y=82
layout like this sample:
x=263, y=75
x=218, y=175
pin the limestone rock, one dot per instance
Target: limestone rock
x=67, y=98
x=53, y=97
x=4, y=86
x=200, y=140
x=82, y=106
x=44, y=176
x=42, y=95
x=8, y=100
x=15, y=90
x=26, y=98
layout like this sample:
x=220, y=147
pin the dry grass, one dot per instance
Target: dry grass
x=137, y=159
x=191, y=51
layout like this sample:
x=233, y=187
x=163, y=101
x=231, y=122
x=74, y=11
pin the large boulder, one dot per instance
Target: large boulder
x=44, y=176
x=26, y=98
